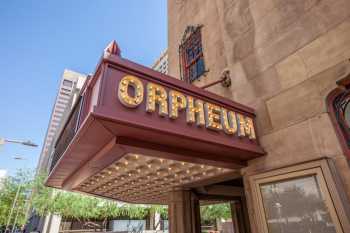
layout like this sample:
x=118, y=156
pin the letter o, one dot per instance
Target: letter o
x=123, y=95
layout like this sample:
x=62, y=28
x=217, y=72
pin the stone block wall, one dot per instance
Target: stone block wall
x=284, y=56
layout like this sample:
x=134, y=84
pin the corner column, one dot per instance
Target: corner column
x=184, y=215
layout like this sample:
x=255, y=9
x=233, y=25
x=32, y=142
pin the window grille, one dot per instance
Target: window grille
x=191, y=54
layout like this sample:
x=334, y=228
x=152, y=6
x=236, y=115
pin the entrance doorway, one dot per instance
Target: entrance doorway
x=222, y=208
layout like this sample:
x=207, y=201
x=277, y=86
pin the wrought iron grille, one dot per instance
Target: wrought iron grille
x=191, y=54
x=341, y=106
x=69, y=130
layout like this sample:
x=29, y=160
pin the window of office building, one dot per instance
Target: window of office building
x=191, y=54
x=67, y=83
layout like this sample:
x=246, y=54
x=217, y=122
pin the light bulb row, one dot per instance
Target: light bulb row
x=171, y=103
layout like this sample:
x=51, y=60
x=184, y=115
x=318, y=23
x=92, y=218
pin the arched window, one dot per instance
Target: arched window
x=191, y=54
x=339, y=109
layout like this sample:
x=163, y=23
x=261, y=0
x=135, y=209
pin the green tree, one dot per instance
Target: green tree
x=76, y=206
x=20, y=183
x=82, y=207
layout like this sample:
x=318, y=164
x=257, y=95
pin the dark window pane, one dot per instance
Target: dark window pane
x=193, y=72
x=67, y=83
x=200, y=66
x=191, y=55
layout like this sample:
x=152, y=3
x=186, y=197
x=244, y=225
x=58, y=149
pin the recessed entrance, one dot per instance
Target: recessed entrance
x=223, y=208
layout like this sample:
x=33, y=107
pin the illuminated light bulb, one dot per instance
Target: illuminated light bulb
x=102, y=176
x=187, y=171
x=183, y=163
x=124, y=98
x=161, y=160
x=149, y=165
x=169, y=168
x=202, y=166
x=109, y=172
x=117, y=167
x=136, y=156
x=129, y=174
x=126, y=162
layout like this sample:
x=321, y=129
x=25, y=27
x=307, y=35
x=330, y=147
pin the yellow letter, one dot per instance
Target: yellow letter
x=229, y=122
x=177, y=101
x=156, y=94
x=212, y=116
x=246, y=127
x=123, y=95
x=195, y=113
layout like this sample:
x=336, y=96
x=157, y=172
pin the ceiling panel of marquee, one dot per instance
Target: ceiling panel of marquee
x=143, y=179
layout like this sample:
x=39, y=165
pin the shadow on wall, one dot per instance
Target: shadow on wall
x=238, y=29
x=238, y=34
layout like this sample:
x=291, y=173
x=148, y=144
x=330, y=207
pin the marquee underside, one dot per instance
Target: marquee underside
x=138, y=178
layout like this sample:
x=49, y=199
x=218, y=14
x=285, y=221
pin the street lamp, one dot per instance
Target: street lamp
x=25, y=143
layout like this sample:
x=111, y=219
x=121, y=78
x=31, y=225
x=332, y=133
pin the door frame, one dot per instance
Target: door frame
x=325, y=178
x=239, y=211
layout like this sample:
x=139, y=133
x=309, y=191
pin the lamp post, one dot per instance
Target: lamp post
x=25, y=143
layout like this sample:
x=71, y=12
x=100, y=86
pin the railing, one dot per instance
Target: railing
x=69, y=129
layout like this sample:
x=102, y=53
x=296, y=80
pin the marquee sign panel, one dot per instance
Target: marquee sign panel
x=130, y=110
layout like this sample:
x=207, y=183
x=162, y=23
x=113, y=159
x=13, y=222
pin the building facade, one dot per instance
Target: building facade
x=272, y=139
x=70, y=85
x=161, y=64
x=284, y=59
x=68, y=92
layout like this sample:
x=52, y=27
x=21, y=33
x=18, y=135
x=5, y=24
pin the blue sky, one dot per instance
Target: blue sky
x=39, y=39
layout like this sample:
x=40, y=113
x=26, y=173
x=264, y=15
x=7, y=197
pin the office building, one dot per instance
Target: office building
x=70, y=85
x=161, y=64
x=68, y=92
